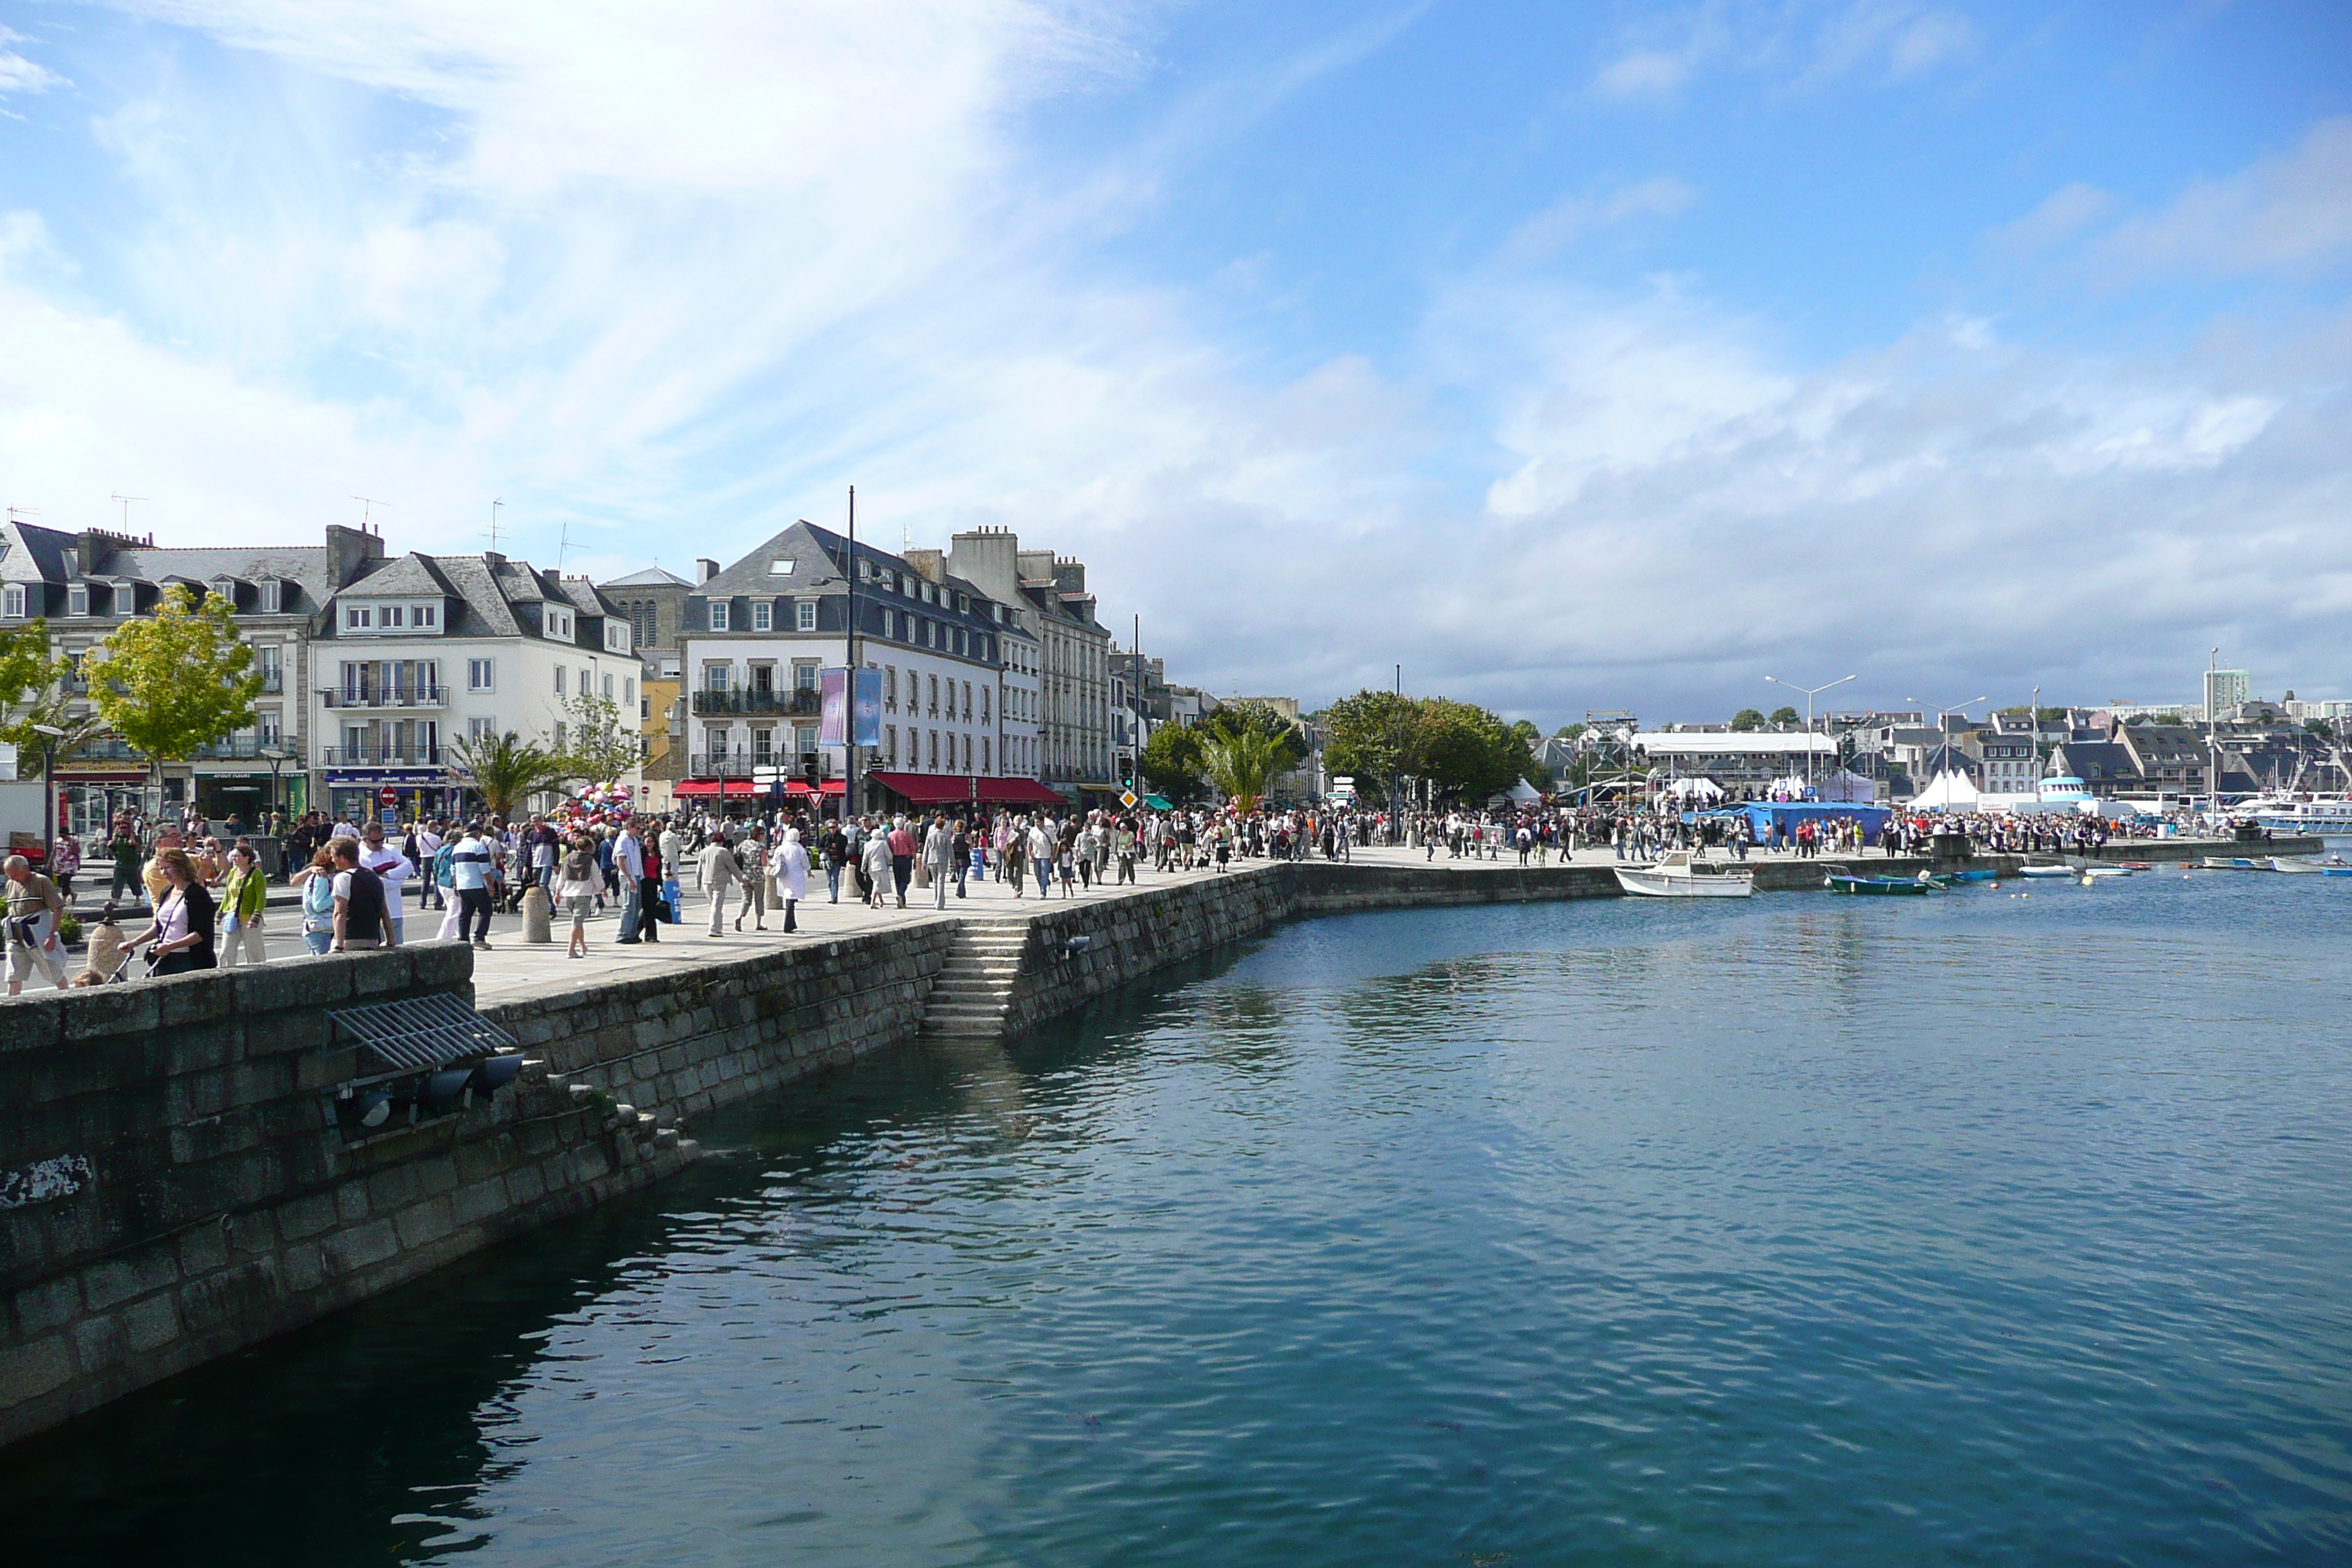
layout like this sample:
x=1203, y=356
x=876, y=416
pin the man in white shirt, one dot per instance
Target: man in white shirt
x=469, y=879
x=393, y=870
x=629, y=860
x=428, y=844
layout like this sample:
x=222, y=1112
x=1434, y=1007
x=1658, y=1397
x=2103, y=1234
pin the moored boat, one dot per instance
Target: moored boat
x=1881, y=887
x=2234, y=863
x=2045, y=870
x=1679, y=877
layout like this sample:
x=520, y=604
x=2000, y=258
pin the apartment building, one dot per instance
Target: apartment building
x=1048, y=597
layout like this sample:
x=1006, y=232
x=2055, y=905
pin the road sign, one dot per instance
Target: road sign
x=1127, y=798
x=388, y=795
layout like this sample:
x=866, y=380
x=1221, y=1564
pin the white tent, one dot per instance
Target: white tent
x=1696, y=789
x=1524, y=792
x=1843, y=785
x=1947, y=792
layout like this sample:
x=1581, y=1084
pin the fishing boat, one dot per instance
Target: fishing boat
x=2298, y=867
x=2045, y=870
x=1680, y=876
x=2234, y=863
x=1882, y=887
x=1978, y=874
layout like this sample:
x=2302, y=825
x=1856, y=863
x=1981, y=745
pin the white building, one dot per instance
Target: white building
x=959, y=675
x=1047, y=594
x=423, y=650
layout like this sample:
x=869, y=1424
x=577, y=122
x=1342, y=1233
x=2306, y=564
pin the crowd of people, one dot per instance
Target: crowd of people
x=204, y=897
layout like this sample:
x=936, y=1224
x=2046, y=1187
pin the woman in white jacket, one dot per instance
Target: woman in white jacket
x=789, y=865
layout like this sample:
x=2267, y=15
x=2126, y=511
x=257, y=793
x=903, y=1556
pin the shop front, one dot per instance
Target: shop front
x=391, y=795
x=242, y=799
x=88, y=798
x=929, y=791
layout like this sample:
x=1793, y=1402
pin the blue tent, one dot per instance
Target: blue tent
x=1762, y=814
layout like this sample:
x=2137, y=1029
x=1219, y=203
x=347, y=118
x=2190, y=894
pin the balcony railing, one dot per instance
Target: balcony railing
x=252, y=750
x=419, y=695
x=740, y=764
x=796, y=703
x=386, y=756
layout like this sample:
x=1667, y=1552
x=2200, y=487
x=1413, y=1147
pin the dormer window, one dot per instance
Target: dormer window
x=224, y=589
x=270, y=591
x=78, y=599
x=425, y=617
x=392, y=616
x=559, y=623
x=806, y=610
x=762, y=615
x=12, y=601
x=358, y=617
x=718, y=615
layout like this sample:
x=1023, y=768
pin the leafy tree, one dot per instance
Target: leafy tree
x=1171, y=764
x=1236, y=718
x=1569, y=732
x=598, y=748
x=1747, y=719
x=1240, y=762
x=1465, y=750
x=507, y=770
x=31, y=692
x=1367, y=736
x=176, y=680
x=1785, y=716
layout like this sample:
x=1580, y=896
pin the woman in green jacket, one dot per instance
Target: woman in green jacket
x=244, y=896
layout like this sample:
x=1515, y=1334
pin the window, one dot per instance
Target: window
x=967, y=701
x=806, y=610
x=983, y=705
x=425, y=617
x=392, y=616
x=267, y=659
x=608, y=688
x=481, y=729
x=559, y=734
x=966, y=753
x=270, y=595
x=629, y=690
x=890, y=743
x=356, y=617
x=985, y=766
x=558, y=680
x=890, y=688
x=935, y=751
x=477, y=675
x=78, y=599
x=714, y=677
x=268, y=726
x=718, y=615
x=587, y=683
x=935, y=696
x=762, y=615
x=782, y=567
x=805, y=677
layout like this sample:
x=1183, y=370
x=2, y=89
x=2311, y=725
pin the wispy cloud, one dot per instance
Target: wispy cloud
x=18, y=74
x=1571, y=218
x=1797, y=44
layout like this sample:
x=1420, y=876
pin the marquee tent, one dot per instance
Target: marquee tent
x=1947, y=792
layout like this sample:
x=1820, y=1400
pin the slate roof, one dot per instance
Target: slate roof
x=51, y=552
x=486, y=590
x=651, y=577
x=818, y=556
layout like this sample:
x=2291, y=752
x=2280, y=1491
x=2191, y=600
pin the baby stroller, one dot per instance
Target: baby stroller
x=107, y=960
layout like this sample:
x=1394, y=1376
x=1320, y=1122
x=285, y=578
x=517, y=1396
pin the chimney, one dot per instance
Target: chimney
x=1037, y=566
x=705, y=569
x=348, y=551
x=1070, y=577
x=930, y=563
x=990, y=559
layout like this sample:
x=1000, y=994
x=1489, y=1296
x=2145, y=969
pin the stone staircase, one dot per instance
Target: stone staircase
x=974, y=987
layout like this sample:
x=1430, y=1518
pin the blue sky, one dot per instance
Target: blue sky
x=1573, y=356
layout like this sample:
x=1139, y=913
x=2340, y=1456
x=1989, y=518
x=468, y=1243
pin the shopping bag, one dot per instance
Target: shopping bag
x=672, y=897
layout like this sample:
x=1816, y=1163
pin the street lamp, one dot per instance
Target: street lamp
x=50, y=797
x=1944, y=729
x=1809, y=692
x=278, y=759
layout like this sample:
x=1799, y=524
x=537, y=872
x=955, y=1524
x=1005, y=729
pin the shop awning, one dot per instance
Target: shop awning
x=799, y=789
x=733, y=789
x=951, y=789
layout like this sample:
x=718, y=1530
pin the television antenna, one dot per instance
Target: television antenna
x=494, y=522
x=563, y=548
x=366, y=504
x=126, y=502
x=16, y=511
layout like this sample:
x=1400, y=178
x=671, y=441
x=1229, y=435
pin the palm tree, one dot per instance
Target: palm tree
x=506, y=770
x=1240, y=764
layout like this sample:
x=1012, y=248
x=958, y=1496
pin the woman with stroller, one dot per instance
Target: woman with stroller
x=181, y=938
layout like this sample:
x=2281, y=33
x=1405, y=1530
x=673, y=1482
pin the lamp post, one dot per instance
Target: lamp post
x=1809, y=693
x=50, y=797
x=1941, y=714
x=278, y=759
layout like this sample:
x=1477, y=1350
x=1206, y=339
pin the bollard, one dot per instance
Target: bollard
x=536, y=913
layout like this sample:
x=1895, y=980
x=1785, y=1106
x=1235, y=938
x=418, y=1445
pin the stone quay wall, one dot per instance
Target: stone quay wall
x=688, y=1040
x=173, y=1185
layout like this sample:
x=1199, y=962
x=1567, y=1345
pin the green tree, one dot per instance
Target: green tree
x=1240, y=762
x=1747, y=719
x=506, y=770
x=177, y=681
x=1368, y=737
x=1236, y=718
x=598, y=747
x=1171, y=764
x=31, y=692
x=1466, y=750
x=1785, y=716
x=1569, y=732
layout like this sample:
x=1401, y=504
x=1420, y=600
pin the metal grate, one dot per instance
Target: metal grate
x=418, y=1033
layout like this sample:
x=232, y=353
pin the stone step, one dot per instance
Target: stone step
x=937, y=1014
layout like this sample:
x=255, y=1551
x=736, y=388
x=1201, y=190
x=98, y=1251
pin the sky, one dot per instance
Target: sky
x=1568, y=356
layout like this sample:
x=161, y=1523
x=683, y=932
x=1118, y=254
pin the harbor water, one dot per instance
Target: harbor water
x=2005, y=1226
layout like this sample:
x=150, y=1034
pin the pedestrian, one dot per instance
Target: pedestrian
x=469, y=879
x=875, y=868
x=629, y=867
x=66, y=864
x=124, y=848
x=576, y=880
x=361, y=918
x=790, y=865
x=244, y=898
x=392, y=869
x=1041, y=849
x=316, y=883
x=751, y=873
x=716, y=867
x=181, y=937
x=35, y=907
x=939, y=859
x=902, y=858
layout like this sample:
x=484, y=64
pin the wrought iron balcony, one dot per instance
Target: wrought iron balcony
x=251, y=749
x=800, y=703
x=381, y=756
x=416, y=695
x=721, y=765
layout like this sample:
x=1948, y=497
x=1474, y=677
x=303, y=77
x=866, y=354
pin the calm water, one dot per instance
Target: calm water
x=1977, y=1229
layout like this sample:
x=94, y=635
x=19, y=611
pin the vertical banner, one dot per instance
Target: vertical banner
x=866, y=711
x=833, y=707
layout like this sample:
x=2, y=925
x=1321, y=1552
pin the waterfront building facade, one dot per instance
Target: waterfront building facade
x=415, y=653
x=1048, y=595
x=958, y=672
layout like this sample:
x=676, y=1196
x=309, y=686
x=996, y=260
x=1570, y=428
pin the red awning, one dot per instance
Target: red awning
x=798, y=787
x=739, y=789
x=951, y=789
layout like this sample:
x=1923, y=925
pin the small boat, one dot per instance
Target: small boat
x=2137, y=865
x=2045, y=870
x=1978, y=875
x=2336, y=870
x=2094, y=873
x=2300, y=867
x=2234, y=863
x=1895, y=887
x=1680, y=876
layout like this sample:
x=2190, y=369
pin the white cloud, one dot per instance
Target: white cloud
x=1645, y=73
x=1792, y=43
x=18, y=74
x=1571, y=218
x=2289, y=214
